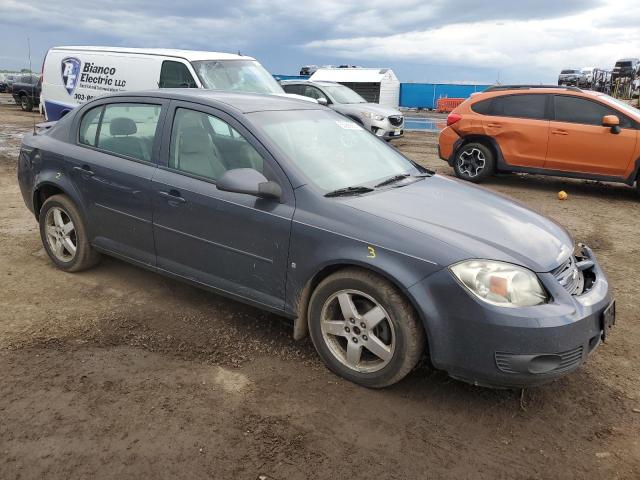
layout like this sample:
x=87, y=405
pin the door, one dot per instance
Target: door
x=112, y=166
x=230, y=241
x=579, y=143
x=520, y=125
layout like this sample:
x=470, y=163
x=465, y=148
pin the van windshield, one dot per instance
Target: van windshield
x=236, y=75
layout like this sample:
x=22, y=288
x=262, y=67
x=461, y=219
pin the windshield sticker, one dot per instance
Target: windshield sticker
x=348, y=125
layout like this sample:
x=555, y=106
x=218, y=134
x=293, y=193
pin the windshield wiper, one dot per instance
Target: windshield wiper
x=394, y=179
x=348, y=191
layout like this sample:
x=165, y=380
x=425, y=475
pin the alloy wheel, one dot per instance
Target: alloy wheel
x=471, y=162
x=358, y=331
x=61, y=234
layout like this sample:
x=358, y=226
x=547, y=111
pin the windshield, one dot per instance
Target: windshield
x=568, y=71
x=236, y=75
x=332, y=151
x=623, y=64
x=342, y=94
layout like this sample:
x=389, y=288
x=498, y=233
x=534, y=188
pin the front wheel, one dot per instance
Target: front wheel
x=364, y=329
x=474, y=162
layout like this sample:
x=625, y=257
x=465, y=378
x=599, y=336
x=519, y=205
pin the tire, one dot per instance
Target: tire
x=54, y=234
x=474, y=162
x=26, y=104
x=397, y=333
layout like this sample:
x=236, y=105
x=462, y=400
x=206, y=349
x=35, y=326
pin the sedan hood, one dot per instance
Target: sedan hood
x=473, y=220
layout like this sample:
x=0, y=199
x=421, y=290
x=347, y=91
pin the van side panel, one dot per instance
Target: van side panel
x=72, y=77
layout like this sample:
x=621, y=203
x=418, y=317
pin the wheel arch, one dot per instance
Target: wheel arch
x=301, y=322
x=485, y=140
x=48, y=187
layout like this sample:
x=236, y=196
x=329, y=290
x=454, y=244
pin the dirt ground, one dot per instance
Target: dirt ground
x=120, y=373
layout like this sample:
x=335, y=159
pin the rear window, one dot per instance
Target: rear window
x=127, y=129
x=483, y=107
x=520, y=106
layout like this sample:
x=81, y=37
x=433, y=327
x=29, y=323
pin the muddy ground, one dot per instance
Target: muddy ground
x=117, y=372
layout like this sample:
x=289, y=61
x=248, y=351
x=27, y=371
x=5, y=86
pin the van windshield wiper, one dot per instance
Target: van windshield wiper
x=341, y=192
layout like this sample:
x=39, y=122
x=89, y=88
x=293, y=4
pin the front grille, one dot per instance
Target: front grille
x=570, y=276
x=396, y=120
x=517, y=363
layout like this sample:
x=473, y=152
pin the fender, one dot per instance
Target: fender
x=60, y=180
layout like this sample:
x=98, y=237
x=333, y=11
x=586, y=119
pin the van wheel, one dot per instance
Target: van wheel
x=364, y=329
x=25, y=104
x=64, y=235
x=474, y=162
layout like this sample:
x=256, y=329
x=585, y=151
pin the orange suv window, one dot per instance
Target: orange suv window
x=532, y=106
x=520, y=106
x=587, y=112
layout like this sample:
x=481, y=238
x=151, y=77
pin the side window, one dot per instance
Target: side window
x=89, y=127
x=313, y=92
x=297, y=89
x=175, y=75
x=482, y=107
x=129, y=129
x=579, y=110
x=521, y=106
x=207, y=146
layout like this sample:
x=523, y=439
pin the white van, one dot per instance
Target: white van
x=74, y=75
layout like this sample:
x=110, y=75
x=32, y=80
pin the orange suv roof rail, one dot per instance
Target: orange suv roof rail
x=495, y=88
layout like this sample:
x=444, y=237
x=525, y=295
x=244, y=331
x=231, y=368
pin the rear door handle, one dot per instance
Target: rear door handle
x=84, y=170
x=172, y=196
x=559, y=132
x=494, y=125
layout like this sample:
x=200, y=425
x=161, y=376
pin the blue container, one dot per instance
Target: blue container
x=426, y=95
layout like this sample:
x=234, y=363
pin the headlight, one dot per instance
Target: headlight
x=501, y=284
x=379, y=118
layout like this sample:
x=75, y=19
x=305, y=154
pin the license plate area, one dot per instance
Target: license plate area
x=608, y=319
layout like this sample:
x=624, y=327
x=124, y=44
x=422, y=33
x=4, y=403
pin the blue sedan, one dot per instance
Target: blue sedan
x=293, y=208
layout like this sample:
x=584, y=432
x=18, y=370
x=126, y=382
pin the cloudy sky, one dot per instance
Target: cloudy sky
x=422, y=40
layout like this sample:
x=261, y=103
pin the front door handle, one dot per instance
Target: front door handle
x=84, y=170
x=559, y=132
x=172, y=196
x=494, y=125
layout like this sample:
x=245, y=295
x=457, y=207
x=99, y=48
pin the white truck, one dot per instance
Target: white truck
x=74, y=75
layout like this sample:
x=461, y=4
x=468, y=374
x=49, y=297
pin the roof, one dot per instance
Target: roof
x=191, y=55
x=496, y=88
x=243, y=102
x=353, y=75
x=322, y=83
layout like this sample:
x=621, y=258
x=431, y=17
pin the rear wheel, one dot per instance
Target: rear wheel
x=64, y=235
x=25, y=103
x=364, y=329
x=474, y=162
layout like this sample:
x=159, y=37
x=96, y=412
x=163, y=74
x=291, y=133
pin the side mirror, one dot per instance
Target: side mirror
x=611, y=121
x=250, y=182
x=323, y=101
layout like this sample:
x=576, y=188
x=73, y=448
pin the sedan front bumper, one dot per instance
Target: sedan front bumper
x=510, y=347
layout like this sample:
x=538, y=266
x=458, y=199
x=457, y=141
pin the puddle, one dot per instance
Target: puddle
x=424, y=124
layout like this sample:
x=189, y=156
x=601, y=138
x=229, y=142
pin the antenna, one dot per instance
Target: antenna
x=33, y=87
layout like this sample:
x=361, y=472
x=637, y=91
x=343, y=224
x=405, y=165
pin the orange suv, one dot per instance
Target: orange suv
x=548, y=130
